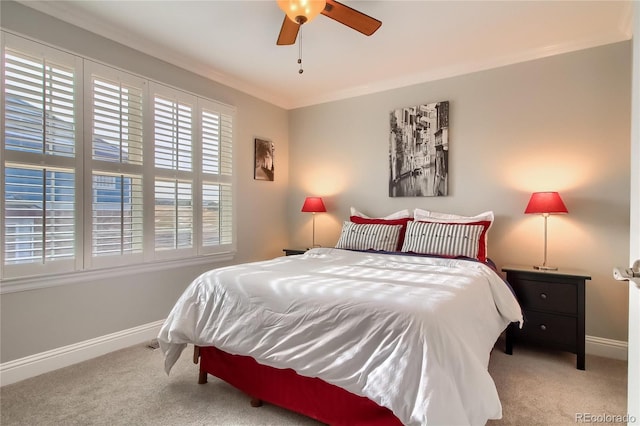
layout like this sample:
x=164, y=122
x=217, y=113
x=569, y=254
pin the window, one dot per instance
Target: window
x=141, y=173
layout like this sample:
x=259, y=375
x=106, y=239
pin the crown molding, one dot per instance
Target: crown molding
x=462, y=69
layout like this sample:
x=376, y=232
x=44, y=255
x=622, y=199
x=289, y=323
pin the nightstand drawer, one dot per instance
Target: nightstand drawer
x=542, y=327
x=547, y=296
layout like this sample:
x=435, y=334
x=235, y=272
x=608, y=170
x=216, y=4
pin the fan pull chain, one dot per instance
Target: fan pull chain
x=300, y=71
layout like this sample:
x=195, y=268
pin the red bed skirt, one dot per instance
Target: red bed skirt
x=312, y=397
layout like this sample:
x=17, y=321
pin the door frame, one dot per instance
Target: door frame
x=633, y=357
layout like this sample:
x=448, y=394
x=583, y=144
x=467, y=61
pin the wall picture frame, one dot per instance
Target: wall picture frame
x=419, y=151
x=264, y=160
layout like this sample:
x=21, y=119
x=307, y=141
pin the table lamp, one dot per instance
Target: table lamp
x=313, y=205
x=545, y=203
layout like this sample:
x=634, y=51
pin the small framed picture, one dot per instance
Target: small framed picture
x=264, y=167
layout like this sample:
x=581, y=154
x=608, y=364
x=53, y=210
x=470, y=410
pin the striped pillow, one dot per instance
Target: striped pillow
x=445, y=239
x=369, y=236
x=402, y=221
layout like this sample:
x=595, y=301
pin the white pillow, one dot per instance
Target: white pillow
x=419, y=214
x=402, y=214
x=369, y=236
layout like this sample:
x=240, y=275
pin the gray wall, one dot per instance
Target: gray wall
x=39, y=320
x=560, y=123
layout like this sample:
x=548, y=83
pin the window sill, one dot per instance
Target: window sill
x=14, y=285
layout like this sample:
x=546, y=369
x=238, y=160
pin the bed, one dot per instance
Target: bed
x=376, y=337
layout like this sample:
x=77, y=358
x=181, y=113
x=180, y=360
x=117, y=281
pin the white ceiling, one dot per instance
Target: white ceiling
x=234, y=41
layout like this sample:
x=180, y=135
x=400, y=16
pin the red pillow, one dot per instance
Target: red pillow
x=482, y=242
x=403, y=222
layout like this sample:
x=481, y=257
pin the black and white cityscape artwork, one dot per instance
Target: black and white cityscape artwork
x=419, y=151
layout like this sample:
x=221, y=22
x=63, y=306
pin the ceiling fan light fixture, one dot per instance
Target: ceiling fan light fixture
x=302, y=11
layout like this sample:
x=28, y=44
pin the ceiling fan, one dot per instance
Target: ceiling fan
x=299, y=12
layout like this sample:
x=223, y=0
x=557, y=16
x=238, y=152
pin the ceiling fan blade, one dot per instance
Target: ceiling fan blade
x=351, y=17
x=288, y=32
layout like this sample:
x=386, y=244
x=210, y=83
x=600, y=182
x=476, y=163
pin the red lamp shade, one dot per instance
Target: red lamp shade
x=313, y=205
x=546, y=202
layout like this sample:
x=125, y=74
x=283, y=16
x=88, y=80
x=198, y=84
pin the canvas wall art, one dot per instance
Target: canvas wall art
x=419, y=151
x=264, y=156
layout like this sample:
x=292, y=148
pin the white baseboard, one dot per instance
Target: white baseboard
x=44, y=362
x=608, y=348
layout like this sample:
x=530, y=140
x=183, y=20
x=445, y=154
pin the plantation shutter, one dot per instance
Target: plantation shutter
x=39, y=159
x=117, y=215
x=39, y=105
x=217, y=191
x=174, y=220
x=117, y=122
x=173, y=134
x=174, y=214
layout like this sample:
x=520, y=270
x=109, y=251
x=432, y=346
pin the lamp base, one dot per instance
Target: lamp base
x=545, y=268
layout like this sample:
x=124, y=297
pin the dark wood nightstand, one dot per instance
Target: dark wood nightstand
x=291, y=252
x=553, y=307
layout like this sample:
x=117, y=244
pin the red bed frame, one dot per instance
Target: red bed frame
x=310, y=396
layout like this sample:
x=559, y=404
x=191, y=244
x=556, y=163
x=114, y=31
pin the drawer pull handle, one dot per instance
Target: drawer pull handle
x=543, y=296
x=543, y=327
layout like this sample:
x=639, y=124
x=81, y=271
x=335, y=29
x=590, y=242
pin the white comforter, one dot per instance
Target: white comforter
x=411, y=333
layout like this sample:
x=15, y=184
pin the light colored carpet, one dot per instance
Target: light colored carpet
x=129, y=387
x=541, y=387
